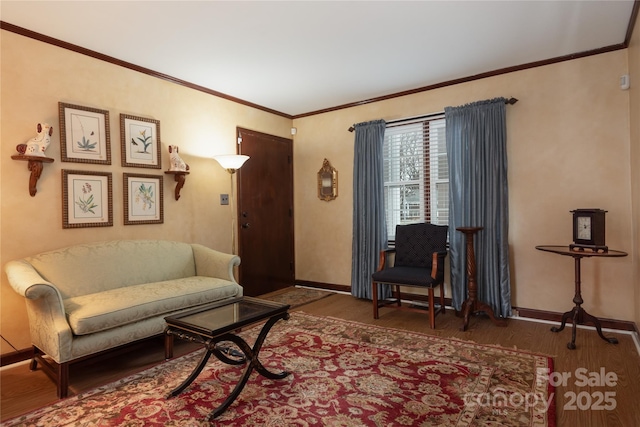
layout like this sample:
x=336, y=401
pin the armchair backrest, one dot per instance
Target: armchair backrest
x=415, y=244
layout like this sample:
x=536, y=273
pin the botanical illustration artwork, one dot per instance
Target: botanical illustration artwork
x=140, y=142
x=84, y=134
x=143, y=199
x=87, y=199
x=86, y=203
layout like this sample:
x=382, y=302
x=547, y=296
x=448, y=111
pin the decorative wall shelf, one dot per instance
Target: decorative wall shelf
x=35, y=166
x=180, y=177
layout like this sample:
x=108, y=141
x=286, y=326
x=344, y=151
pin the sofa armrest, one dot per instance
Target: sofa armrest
x=212, y=263
x=48, y=324
x=27, y=282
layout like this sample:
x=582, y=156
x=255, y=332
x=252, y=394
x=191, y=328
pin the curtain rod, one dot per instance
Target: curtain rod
x=509, y=101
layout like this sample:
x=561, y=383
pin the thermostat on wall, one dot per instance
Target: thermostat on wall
x=624, y=82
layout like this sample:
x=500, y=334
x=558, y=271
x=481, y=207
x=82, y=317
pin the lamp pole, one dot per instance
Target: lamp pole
x=232, y=162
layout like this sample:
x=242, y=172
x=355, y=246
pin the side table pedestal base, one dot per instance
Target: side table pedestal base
x=578, y=315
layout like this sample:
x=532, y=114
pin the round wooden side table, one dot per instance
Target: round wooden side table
x=577, y=313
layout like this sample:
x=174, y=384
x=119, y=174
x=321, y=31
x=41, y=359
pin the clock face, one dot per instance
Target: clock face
x=584, y=228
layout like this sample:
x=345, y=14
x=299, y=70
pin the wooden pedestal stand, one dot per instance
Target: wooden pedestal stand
x=472, y=305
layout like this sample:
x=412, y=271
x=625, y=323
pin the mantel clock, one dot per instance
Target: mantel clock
x=588, y=230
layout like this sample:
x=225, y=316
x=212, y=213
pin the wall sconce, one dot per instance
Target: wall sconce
x=327, y=182
x=232, y=162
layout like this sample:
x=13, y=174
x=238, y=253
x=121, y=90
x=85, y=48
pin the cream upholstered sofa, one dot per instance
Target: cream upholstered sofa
x=85, y=299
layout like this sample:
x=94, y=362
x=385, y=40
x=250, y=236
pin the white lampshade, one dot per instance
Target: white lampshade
x=231, y=162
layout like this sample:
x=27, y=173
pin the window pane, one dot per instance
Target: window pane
x=406, y=151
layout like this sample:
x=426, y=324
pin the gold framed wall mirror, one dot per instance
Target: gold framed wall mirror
x=327, y=182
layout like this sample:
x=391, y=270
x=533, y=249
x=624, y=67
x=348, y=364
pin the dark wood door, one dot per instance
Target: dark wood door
x=265, y=213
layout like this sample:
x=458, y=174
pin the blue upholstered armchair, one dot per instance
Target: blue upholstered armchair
x=420, y=250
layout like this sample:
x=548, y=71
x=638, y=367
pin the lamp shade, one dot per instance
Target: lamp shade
x=231, y=161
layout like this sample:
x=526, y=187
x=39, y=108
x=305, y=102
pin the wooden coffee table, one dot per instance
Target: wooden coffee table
x=217, y=323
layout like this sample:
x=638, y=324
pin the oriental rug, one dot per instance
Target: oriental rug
x=341, y=374
x=296, y=296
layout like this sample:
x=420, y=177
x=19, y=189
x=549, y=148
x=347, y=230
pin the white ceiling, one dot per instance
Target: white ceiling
x=298, y=57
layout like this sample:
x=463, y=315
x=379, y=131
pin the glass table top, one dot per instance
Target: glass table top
x=222, y=317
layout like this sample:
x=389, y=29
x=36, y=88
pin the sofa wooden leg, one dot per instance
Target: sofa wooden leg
x=58, y=372
x=63, y=380
x=34, y=360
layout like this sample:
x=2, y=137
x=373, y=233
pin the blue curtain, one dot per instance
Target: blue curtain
x=478, y=196
x=369, y=227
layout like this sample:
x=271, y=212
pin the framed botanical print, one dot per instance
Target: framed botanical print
x=140, y=138
x=84, y=134
x=143, y=199
x=87, y=199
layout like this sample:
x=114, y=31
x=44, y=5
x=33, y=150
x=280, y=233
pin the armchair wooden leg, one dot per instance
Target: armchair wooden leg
x=374, y=293
x=398, y=295
x=432, y=310
x=442, y=298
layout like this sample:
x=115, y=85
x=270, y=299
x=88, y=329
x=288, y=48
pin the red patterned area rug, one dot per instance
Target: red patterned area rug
x=341, y=374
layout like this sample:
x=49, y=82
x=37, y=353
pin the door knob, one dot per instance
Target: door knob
x=245, y=225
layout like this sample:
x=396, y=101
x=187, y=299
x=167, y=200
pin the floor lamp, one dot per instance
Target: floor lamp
x=232, y=162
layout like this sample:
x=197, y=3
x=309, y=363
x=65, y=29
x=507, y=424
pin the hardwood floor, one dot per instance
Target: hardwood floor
x=23, y=390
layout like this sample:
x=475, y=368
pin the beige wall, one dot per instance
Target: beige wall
x=35, y=77
x=568, y=147
x=634, y=114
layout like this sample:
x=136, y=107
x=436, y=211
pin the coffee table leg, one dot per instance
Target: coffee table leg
x=194, y=374
x=251, y=356
x=168, y=346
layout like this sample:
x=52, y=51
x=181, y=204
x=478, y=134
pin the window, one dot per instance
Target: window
x=416, y=172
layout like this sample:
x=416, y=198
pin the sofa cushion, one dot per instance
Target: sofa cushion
x=97, y=267
x=116, y=307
